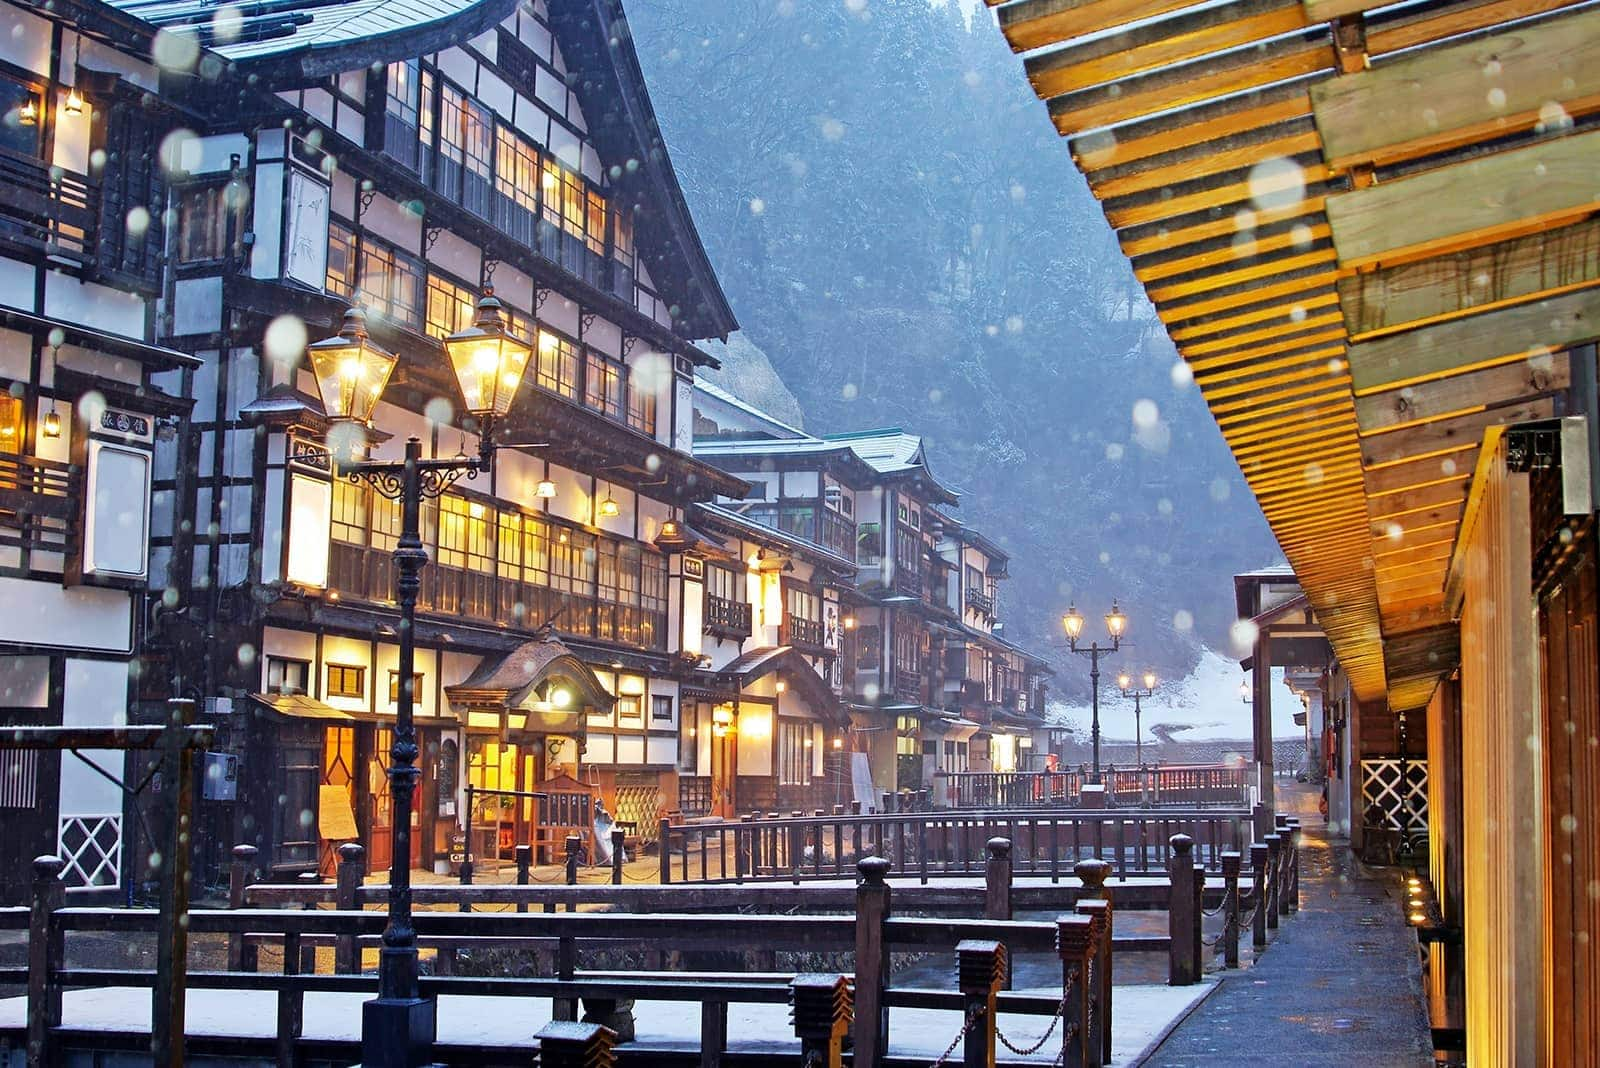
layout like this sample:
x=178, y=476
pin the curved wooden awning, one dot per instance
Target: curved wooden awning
x=1368, y=228
x=794, y=669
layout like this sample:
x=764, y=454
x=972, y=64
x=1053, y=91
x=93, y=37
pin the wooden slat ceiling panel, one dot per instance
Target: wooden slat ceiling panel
x=1353, y=348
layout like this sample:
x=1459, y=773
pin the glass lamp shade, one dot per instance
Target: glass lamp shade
x=546, y=489
x=1149, y=680
x=1244, y=691
x=1072, y=622
x=351, y=370
x=1116, y=622
x=1124, y=682
x=488, y=360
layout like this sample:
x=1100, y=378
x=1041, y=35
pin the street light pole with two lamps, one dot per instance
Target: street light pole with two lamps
x=1116, y=624
x=1125, y=684
x=398, y=1027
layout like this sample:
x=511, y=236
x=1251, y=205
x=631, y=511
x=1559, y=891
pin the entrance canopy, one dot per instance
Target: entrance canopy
x=793, y=668
x=543, y=680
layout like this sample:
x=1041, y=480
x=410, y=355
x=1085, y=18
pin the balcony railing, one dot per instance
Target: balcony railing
x=979, y=601
x=40, y=502
x=824, y=528
x=908, y=686
x=730, y=619
x=364, y=573
x=908, y=579
x=47, y=209
x=798, y=631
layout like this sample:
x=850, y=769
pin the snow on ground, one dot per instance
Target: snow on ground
x=1141, y=1015
x=1205, y=706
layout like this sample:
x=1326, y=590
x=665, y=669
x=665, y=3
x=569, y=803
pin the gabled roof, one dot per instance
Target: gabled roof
x=315, y=39
x=289, y=46
x=892, y=451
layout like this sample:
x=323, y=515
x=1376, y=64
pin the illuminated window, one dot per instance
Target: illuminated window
x=349, y=513
x=450, y=307
x=558, y=364
x=794, y=755
x=605, y=385
x=391, y=284
x=394, y=687
x=341, y=261
x=17, y=103
x=11, y=425
x=345, y=680
x=287, y=676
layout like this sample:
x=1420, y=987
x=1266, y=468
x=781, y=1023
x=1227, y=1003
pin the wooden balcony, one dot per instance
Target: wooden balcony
x=47, y=210
x=979, y=601
x=802, y=632
x=727, y=619
x=908, y=686
x=41, y=503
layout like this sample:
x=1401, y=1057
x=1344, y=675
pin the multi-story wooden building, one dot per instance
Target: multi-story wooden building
x=81, y=202
x=407, y=162
x=929, y=683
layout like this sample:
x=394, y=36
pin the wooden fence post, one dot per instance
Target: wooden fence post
x=997, y=880
x=980, y=972
x=1294, y=865
x=664, y=844
x=1274, y=879
x=822, y=1016
x=1182, y=917
x=1093, y=875
x=347, y=882
x=1258, y=891
x=871, y=1024
x=574, y=847
x=1075, y=942
x=45, y=954
x=240, y=872
x=308, y=950
x=567, y=1044
x=524, y=855
x=1100, y=975
x=1230, y=909
x=618, y=837
x=291, y=1003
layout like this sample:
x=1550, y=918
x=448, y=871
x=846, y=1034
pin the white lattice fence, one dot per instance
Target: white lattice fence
x=92, y=849
x=1404, y=804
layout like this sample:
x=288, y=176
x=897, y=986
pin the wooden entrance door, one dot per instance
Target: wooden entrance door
x=724, y=764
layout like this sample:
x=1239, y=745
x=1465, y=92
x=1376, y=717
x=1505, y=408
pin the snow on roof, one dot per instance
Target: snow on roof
x=712, y=390
x=254, y=31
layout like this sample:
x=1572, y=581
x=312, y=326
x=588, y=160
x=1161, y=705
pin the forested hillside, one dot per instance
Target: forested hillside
x=902, y=232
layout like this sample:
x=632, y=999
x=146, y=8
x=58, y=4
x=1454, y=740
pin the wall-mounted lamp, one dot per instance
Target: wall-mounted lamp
x=28, y=114
x=546, y=489
x=74, y=104
x=52, y=418
x=780, y=686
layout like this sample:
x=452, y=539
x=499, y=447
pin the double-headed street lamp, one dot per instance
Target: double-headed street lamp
x=398, y=1027
x=1125, y=683
x=1116, y=623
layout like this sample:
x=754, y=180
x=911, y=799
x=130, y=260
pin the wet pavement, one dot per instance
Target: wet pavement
x=1340, y=983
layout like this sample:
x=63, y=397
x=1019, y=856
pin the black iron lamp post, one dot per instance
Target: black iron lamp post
x=1125, y=683
x=398, y=1027
x=1116, y=624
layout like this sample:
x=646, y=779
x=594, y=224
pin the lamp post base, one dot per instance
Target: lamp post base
x=398, y=1032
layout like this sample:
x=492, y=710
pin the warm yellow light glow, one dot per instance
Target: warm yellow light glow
x=849, y=622
x=781, y=686
x=1149, y=680
x=609, y=509
x=1116, y=622
x=74, y=104
x=561, y=697
x=350, y=370
x=838, y=741
x=52, y=424
x=1124, y=682
x=1072, y=622
x=488, y=359
x=29, y=114
x=546, y=489
x=475, y=509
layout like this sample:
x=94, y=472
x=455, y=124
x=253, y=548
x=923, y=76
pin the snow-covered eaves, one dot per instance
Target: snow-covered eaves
x=777, y=426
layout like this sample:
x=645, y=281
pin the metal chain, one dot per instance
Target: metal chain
x=972, y=1017
x=1037, y=1046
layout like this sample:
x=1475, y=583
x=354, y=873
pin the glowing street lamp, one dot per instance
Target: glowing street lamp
x=1116, y=626
x=1125, y=684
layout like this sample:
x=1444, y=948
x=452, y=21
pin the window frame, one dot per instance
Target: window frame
x=346, y=672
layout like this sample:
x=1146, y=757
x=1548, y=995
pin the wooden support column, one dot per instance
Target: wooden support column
x=1261, y=721
x=997, y=878
x=871, y=1031
x=352, y=869
x=1230, y=908
x=240, y=871
x=46, y=949
x=1274, y=879
x=1093, y=875
x=1075, y=943
x=1260, y=866
x=1183, y=920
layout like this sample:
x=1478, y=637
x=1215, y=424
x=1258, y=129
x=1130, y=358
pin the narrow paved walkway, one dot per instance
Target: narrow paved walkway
x=1339, y=985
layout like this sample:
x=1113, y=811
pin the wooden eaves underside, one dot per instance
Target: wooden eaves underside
x=1370, y=230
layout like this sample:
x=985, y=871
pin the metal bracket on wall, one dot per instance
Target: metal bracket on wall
x=429, y=236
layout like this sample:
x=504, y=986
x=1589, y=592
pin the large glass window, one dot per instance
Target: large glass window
x=450, y=307
x=12, y=427
x=349, y=513
x=516, y=181
x=605, y=385
x=558, y=364
x=402, y=113
x=341, y=261
x=391, y=284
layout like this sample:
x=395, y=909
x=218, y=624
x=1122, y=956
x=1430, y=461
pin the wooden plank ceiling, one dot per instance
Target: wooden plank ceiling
x=1371, y=230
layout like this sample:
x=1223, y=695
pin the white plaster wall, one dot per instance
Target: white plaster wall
x=95, y=694
x=96, y=306
x=78, y=617
x=17, y=284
